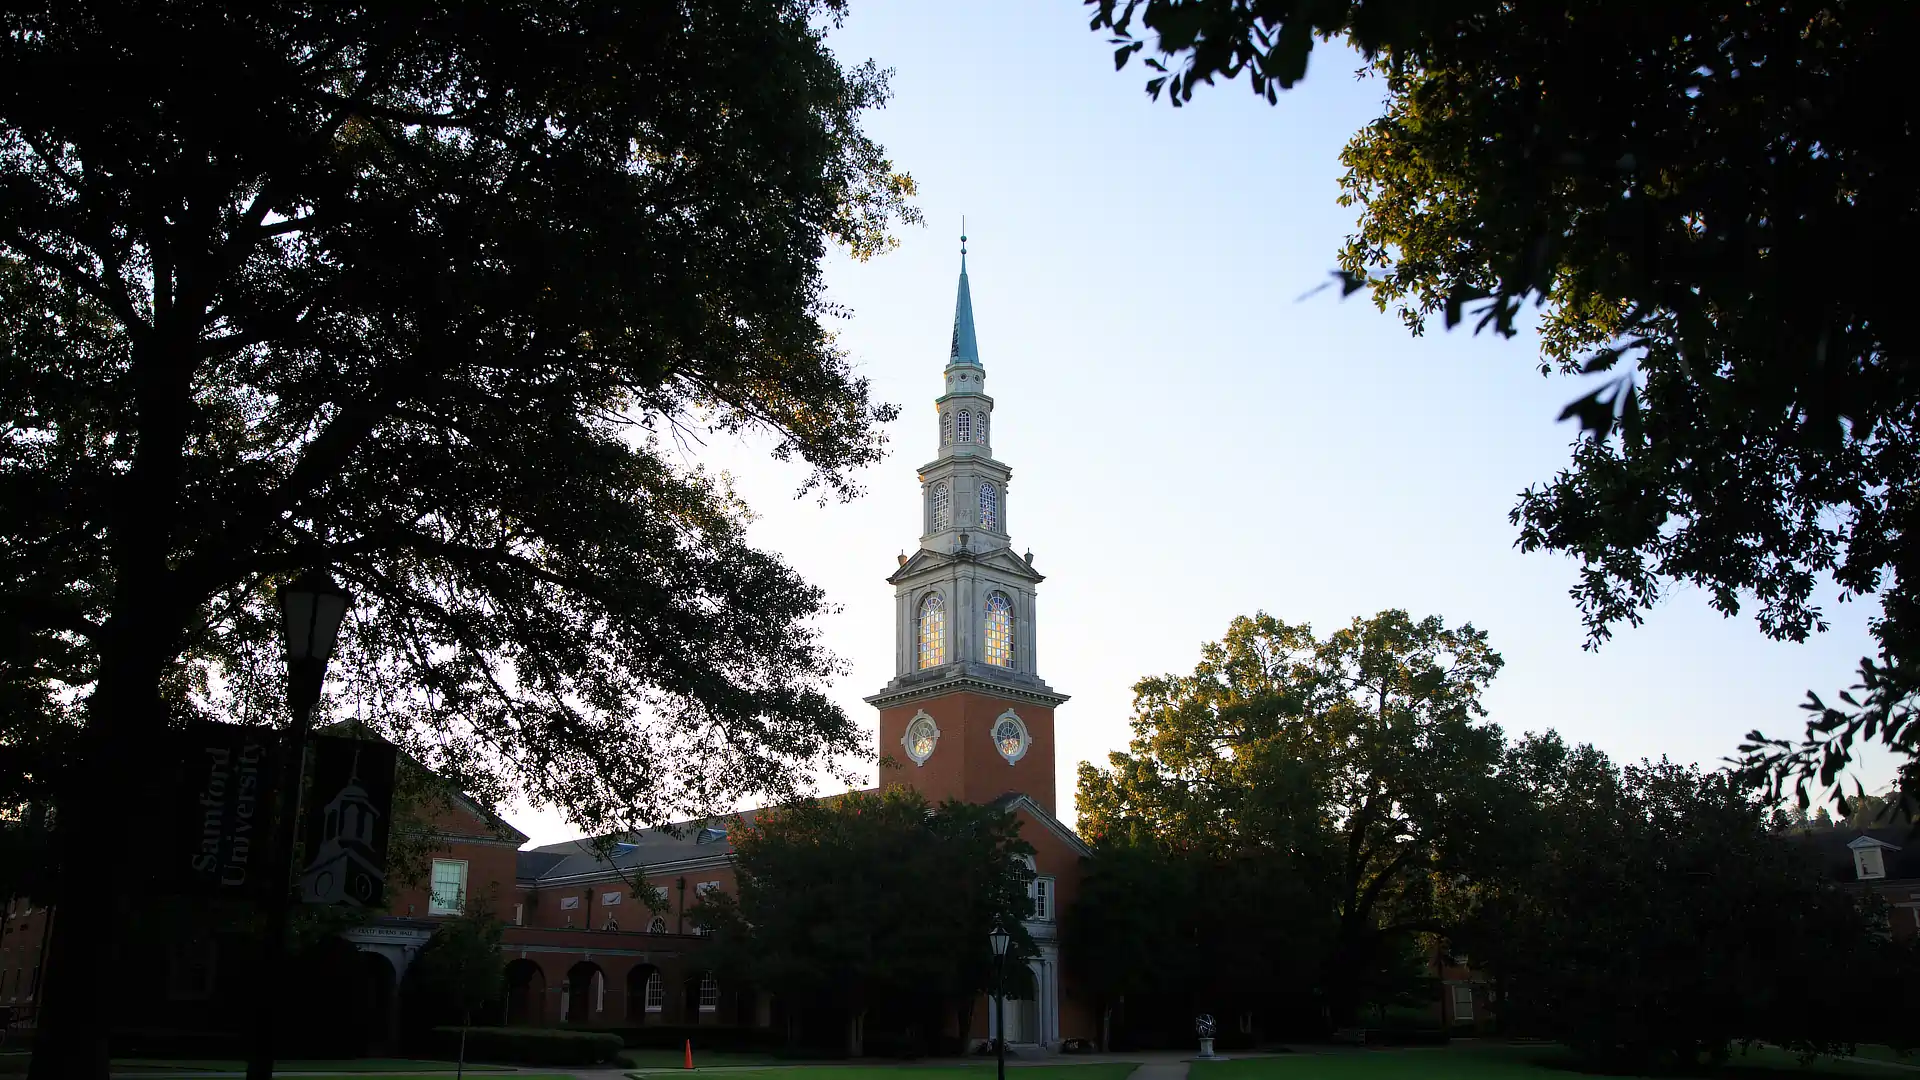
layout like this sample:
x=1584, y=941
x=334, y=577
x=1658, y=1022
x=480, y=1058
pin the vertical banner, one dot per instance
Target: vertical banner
x=348, y=815
x=223, y=784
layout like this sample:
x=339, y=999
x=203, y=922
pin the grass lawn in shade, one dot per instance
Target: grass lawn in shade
x=364, y=1068
x=674, y=1059
x=1097, y=1071
x=1495, y=1062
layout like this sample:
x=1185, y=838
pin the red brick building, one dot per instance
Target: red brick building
x=967, y=716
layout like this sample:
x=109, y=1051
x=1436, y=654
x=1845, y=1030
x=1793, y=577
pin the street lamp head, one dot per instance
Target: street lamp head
x=311, y=609
x=1000, y=939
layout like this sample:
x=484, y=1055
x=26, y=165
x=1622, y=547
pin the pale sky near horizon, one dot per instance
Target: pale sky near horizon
x=1190, y=439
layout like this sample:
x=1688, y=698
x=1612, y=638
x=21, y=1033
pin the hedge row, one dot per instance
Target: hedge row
x=529, y=1046
x=707, y=1037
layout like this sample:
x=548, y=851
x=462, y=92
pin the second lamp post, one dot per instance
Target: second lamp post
x=1000, y=939
x=311, y=608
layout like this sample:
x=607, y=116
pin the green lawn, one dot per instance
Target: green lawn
x=1106, y=1071
x=674, y=1059
x=359, y=1066
x=1499, y=1063
x=1886, y=1053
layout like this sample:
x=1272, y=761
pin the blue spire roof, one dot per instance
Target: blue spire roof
x=966, y=348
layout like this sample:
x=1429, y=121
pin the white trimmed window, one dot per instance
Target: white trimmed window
x=656, y=992
x=610, y=898
x=930, y=642
x=449, y=894
x=657, y=926
x=999, y=630
x=941, y=503
x=989, y=506
x=1462, y=1003
x=709, y=993
x=966, y=425
x=1040, y=890
x=519, y=914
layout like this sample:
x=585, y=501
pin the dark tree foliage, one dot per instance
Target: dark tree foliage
x=1161, y=932
x=432, y=295
x=1649, y=919
x=1356, y=766
x=873, y=904
x=1706, y=201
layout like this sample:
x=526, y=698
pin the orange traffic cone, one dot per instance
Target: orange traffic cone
x=689, y=1053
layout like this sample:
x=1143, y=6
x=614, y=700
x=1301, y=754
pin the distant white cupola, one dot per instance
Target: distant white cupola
x=1869, y=857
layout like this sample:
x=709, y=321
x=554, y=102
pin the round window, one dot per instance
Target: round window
x=1010, y=737
x=921, y=737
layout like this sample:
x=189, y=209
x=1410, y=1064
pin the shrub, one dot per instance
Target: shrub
x=707, y=1037
x=529, y=1046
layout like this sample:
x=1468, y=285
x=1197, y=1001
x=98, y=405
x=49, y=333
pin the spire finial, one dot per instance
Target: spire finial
x=963, y=238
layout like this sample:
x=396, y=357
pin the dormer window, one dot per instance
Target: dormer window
x=1869, y=864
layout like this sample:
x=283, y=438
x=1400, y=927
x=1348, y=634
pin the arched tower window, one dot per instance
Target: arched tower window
x=942, y=506
x=966, y=425
x=980, y=429
x=989, y=506
x=999, y=630
x=931, y=640
x=946, y=429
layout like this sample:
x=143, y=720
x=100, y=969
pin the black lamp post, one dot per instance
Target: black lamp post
x=1000, y=939
x=311, y=609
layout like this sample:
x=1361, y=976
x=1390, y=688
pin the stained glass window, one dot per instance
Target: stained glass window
x=932, y=637
x=942, y=501
x=921, y=737
x=980, y=429
x=1010, y=737
x=946, y=429
x=999, y=630
x=966, y=425
x=989, y=506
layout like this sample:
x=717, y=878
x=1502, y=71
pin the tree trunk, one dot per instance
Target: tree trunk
x=963, y=1017
x=111, y=768
x=857, y=1033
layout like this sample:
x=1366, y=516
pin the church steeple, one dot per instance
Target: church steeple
x=966, y=348
x=966, y=705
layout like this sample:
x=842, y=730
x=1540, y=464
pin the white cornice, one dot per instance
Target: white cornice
x=961, y=682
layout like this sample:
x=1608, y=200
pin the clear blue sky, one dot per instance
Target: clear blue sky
x=1190, y=440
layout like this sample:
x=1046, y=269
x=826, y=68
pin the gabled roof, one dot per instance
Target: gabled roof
x=1001, y=559
x=1833, y=850
x=1017, y=800
x=496, y=824
x=683, y=842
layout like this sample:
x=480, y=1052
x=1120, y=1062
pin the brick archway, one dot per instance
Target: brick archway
x=526, y=993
